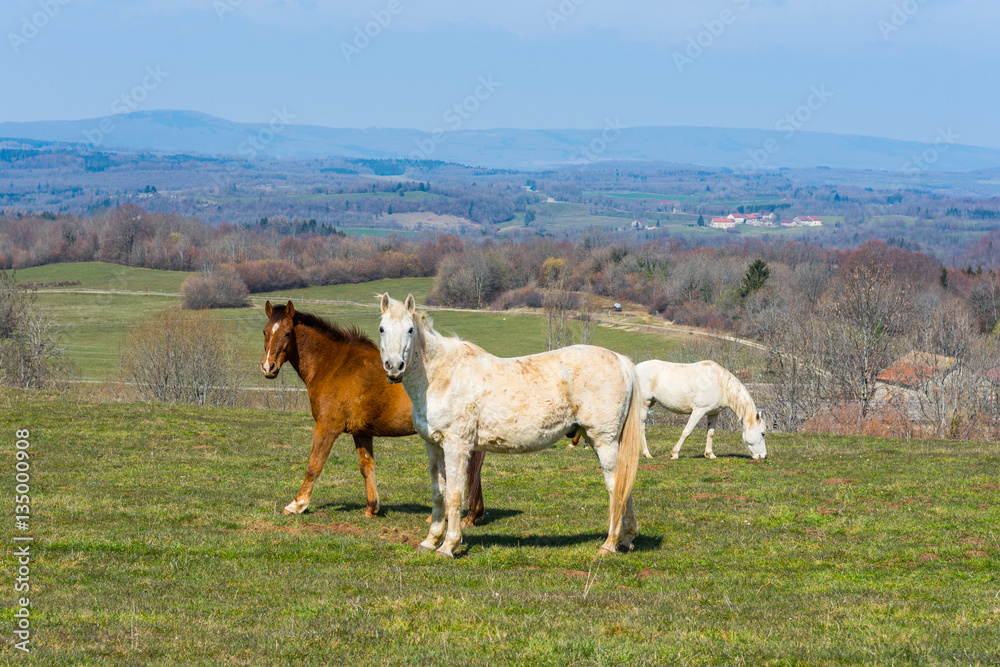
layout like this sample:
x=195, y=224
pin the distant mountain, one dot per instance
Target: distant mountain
x=737, y=149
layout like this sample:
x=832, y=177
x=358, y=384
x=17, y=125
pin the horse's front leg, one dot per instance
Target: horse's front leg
x=324, y=436
x=710, y=435
x=366, y=461
x=435, y=464
x=696, y=416
x=456, y=458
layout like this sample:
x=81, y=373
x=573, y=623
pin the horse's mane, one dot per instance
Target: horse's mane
x=739, y=398
x=426, y=324
x=332, y=331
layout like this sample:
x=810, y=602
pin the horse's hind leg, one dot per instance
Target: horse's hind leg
x=711, y=419
x=696, y=416
x=474, y=490
x=366, y=461
x=323, y=438
x=607, y=455
x=435, y=464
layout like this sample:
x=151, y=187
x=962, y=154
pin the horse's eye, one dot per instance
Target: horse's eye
x=288, y=334
x=410, y=331
x=381, y=330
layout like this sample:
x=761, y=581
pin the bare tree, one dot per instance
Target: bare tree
x=951, y=390
x=797, y=382
x=860, y=329
x=557, y=302
x=29, y=349
x=183, y=357
x=128, y=227
x=586, y=316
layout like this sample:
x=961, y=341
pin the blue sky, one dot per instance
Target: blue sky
x=903, y=69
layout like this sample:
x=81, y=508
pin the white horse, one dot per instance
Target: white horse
x=702, y=389
x=465, y=399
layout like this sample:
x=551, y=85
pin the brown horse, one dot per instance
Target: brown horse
x=348, y=393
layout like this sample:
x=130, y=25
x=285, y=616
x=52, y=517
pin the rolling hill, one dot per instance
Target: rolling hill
x=188, y=131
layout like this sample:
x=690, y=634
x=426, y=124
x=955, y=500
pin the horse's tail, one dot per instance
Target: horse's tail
x=631, y=443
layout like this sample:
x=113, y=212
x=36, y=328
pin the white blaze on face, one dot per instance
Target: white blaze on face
x=267, y=352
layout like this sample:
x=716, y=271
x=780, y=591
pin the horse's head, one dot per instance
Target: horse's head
x=396, y=331
x=753, y=436
x=279, y=337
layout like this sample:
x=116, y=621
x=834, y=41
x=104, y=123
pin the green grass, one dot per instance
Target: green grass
x=100, y=275
x=159, y=540
x=95, y=325
x=363, y=293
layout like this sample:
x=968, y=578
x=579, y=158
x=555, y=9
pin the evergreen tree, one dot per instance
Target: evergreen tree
x=757, y=275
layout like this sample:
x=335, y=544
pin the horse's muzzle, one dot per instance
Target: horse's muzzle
x=394, y=379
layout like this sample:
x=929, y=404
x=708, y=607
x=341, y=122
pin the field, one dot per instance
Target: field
x=97, y=316
x=159, y=540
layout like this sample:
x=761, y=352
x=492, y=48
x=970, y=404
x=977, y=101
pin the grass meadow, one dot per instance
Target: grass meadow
x=160, y=540
x=97, y=316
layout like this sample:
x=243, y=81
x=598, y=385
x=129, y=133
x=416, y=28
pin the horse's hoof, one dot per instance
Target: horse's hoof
x=371, y=513
x=710, y=456
x=469, y=521
x=424, y=549
x=444, y=554
x=674, y=457
x=604, y=551
x=293, y=508
x=626, y=548
x=647, y=455
x=428, y=520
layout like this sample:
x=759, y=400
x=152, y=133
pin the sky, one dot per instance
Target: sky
x=902, y=69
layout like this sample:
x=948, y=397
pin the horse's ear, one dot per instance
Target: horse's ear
x=410, y=304
x=267, y=308
x=760, y=416
x=384, y=302
x=289, y=310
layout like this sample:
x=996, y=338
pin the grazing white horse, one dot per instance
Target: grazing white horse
x=465, y=399
x=702, y=389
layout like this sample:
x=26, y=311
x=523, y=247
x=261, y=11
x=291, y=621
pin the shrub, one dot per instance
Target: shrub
x=265, y=275
x=223, y=289
x=697, y=313
x=183, y=357
x=526, y=297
